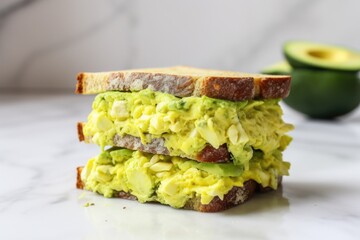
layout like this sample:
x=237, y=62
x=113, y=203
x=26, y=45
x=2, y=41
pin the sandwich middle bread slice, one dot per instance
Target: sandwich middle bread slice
x=217, y=143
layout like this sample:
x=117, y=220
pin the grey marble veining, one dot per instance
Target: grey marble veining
x=38, y=199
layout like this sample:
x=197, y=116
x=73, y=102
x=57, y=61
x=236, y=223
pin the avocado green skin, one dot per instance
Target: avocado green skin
x=323, y=94
x=295, y=62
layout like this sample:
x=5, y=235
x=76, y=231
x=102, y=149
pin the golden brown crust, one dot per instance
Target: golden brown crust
x=211, y=154
x=235, y=89
x=79, y=183
x=186, y=81
x=235, y=197
x=80, y=131
x=80, y=83
x=274, y=88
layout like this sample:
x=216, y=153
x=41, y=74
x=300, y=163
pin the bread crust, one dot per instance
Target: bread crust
x=273, y=87
x=80, y=132
x=235, y=89
x=157, y=146
x=79, y=183
x=235, y=197
x=186, y=81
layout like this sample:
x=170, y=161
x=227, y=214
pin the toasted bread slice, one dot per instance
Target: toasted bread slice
x=157, y=146
x=184, y=81
x=236, y=196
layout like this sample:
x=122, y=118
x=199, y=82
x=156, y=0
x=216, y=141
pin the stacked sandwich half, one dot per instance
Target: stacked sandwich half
x=189, y=138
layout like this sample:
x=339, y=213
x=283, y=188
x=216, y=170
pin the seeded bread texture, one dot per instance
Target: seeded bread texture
x=184, y=81
x=235, y=197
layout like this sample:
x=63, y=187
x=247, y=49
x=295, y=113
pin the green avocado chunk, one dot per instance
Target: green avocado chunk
x=120, y=155
x=302, y=54
x=104, y=158
x=323, y=94
x=223, y=169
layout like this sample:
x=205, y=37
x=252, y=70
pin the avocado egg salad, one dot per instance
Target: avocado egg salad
x=195, y=152
x=174, y=180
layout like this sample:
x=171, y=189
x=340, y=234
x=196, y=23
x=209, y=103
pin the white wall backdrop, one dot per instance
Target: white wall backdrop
x=45, y=43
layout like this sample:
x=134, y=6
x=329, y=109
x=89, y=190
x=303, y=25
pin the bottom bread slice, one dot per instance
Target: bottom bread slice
x=235, y=197
x=180, y=182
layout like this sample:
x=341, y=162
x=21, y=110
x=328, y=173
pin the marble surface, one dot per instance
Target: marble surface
x=44, y=44
x=38, y=199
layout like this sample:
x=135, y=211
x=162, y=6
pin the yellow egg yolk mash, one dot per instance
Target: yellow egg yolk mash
x=188, y=124
x=253, y=131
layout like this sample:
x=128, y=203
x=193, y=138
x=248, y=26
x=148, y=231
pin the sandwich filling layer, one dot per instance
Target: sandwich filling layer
x=189, y=124
x=174, y=180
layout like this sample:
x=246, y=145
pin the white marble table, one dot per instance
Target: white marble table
x=38, y=200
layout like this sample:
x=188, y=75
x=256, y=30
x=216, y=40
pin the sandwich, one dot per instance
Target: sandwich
x=185, y=137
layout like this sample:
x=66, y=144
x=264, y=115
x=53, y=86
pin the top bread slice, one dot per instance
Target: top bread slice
x=184, y=81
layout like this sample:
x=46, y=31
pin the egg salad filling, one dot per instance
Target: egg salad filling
x=188, y=124
x=174, y=180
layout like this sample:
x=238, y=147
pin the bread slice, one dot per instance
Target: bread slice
x=184, y=81
x=236, y=196
x=157, y=146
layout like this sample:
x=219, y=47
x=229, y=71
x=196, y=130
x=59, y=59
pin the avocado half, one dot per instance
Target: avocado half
x=302, y=54
x=323, y=94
